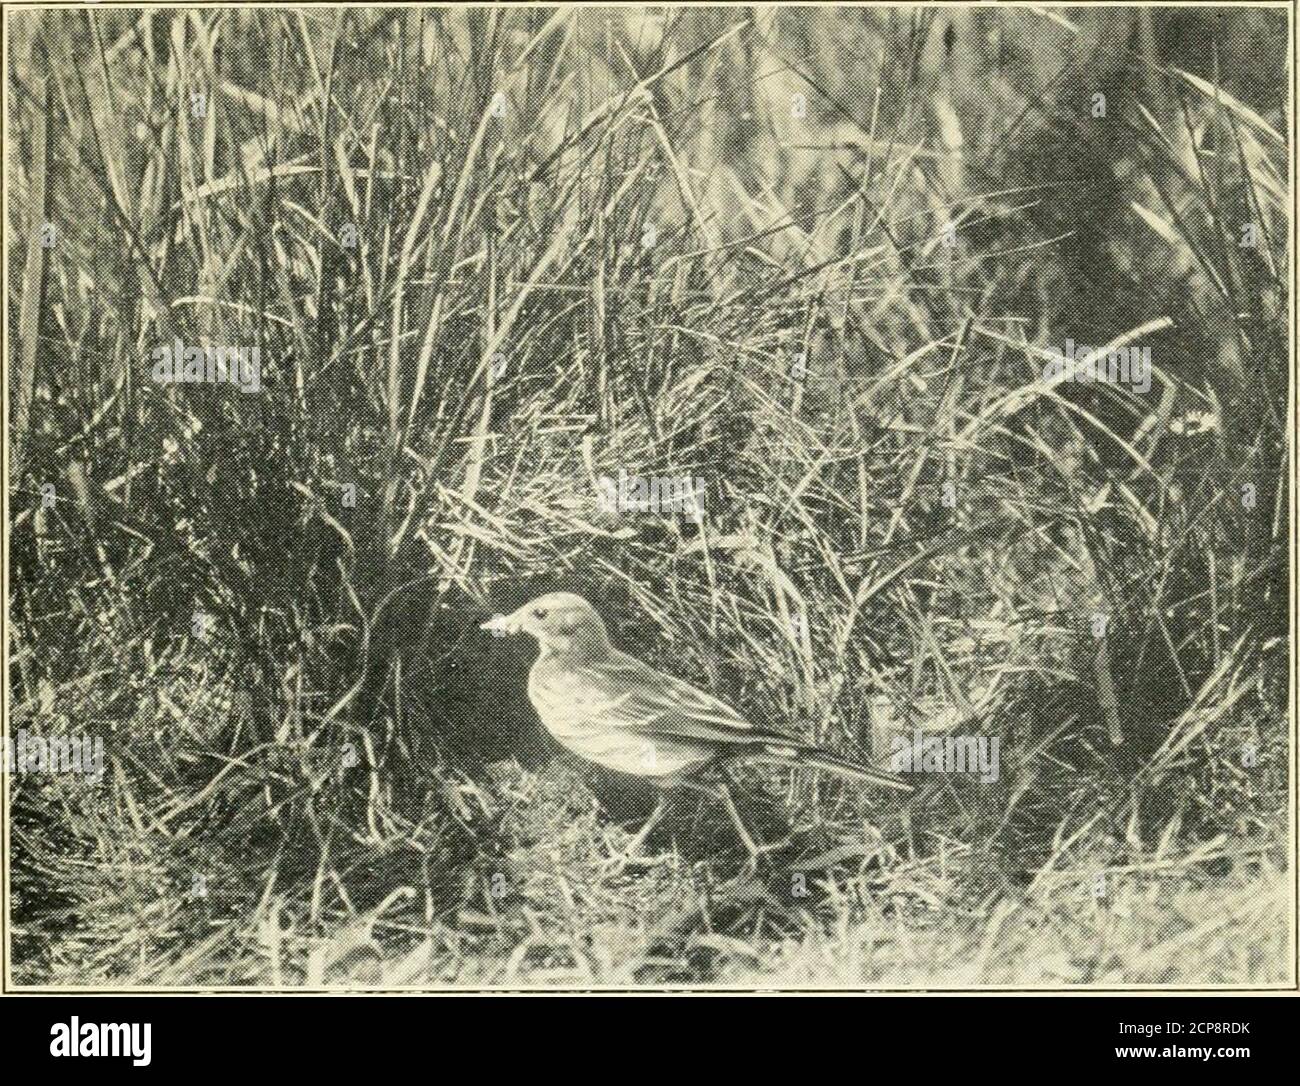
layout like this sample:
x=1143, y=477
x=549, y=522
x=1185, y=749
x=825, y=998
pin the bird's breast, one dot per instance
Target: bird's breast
x=578, y=714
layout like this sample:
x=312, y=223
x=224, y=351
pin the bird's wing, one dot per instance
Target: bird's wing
x=637, y=698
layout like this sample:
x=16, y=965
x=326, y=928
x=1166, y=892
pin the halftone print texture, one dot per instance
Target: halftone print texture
x=576, y=497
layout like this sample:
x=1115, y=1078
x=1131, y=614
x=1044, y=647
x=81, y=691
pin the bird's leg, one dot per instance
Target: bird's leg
x=754, y=850
x=722, y=792
x=656, y=816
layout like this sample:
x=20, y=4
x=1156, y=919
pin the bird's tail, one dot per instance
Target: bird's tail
x=816, y=758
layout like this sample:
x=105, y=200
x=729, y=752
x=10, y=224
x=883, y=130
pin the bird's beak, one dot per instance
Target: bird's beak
x=501, y=625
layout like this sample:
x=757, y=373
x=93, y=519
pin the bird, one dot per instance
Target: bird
x=618, y=712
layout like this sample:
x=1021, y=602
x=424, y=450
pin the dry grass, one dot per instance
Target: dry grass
x=588, y=243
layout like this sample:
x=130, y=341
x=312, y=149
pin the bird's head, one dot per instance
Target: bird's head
x=561, y=621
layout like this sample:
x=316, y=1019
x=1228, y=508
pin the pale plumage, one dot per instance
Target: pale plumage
x=618, y=712
x=622, y=714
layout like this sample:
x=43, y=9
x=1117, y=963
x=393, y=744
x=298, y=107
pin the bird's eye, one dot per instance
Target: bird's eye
x=539, y=612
